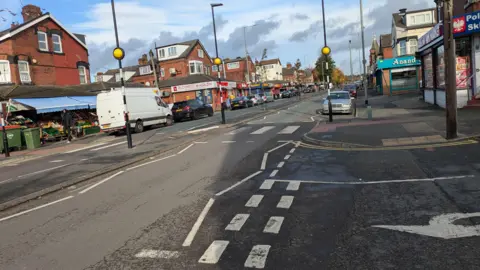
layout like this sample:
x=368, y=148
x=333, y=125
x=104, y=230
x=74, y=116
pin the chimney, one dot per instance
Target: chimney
x=143, y=60
x=14, y=25
x=30, y=12
x=289, y=65
x=403, y=12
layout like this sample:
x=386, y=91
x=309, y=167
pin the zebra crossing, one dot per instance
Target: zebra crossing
x=264, y=129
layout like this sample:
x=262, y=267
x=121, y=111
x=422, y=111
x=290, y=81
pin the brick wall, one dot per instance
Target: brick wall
x=387, y=53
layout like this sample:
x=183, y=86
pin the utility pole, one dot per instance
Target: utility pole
x=246, y=59
x=217, y=61
x=351, y=65
x=154, y=68
x=450, y=73
x=364, y=60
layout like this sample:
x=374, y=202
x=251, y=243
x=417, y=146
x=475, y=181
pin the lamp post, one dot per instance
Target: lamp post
x=246, y=57
x=217, y=61
x=364, y=61
x=119, y=54
x=351, y=65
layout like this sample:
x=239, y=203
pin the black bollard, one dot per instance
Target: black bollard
x=330, y=112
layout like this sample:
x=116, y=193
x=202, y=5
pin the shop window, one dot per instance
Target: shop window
x=428, y=71
x=463, y=52
x=404, y=78
x=24, y=71
x=440, y=67
x=42, y=41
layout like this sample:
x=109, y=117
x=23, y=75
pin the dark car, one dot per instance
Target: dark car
x=192, y=109
x=241, y=102
x=352, y=89
x=286, y=94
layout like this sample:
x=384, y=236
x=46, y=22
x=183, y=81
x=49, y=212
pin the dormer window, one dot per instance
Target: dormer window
x=172, y=51
x=161, y=53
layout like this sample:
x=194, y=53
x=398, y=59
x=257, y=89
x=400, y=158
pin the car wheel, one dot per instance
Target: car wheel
x=139, y=126
x=169, y=121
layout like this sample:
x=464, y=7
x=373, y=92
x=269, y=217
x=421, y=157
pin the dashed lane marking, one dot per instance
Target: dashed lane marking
x=263, y=166
x=154, y=254
x=236, y=131
x=254, y=201
x=267, y=184
x=280, y=165
x=237, y=222
x=273, y=173
x=292, y=150
x=214, y=252
x=287, y=157
x=285, y=202
x=294, y=186
x=257, y=257
x=228, y=141
x=274, y=225
x=101, y=182
x=57, y=161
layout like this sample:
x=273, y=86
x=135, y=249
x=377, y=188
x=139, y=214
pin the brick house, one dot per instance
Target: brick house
x=236, y=69
x=141, y=73
x=289, y=73
x=386, y=50
x=40, y=51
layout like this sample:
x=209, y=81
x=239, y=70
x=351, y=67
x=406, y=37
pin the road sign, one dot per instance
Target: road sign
x=441, y=226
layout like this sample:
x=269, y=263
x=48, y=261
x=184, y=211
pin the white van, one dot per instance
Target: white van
x=145, y=107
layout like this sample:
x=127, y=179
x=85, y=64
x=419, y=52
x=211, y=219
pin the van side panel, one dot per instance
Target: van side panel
x=110, y=110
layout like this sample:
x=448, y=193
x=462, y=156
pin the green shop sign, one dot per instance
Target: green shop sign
x=399, y=62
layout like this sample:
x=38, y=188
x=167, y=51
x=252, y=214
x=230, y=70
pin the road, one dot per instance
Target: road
x=254, y=196
x=88, y=156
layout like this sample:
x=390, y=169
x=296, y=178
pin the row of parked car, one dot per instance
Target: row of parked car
x=251, y=101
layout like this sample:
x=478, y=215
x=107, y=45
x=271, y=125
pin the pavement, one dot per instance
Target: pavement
x=263, y=200
x=403, y=120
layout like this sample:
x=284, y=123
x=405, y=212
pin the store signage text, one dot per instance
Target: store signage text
x=434, y=33
x=201, y=86
x=398, y=62
x=405, y=61
x=466, y=24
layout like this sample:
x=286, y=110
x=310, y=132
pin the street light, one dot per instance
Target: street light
x=364, y=61
x=351, y=66
x=119, y=54
x=217, y=61
x=246, y=56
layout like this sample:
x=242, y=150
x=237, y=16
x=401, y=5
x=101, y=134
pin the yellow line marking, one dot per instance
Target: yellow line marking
x=405, y=147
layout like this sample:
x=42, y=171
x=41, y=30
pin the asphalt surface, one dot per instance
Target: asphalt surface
x=222, y=203
x=89, y=155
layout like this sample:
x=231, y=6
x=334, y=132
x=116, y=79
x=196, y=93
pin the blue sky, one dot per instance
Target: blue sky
x=288, y=29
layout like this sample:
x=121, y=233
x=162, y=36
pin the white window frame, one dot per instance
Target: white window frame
x=400, y=47
x=84, y=74
x=200, y=53
x=233, y=65
x=59, y=43
x=214, y=68
x=29, y=79
x=9, y=77
x=172, y=71
x=197, y=66
x=40, y=42
x=412, y=46
x=172, y=51
x=162, y=72
x=145, y=70
x=161, y=53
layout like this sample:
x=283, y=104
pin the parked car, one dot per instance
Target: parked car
x=192, y=109
x=352, y=89
x=145, y=109
x=341, y=102
x=260, y=100
x=253, y=99
x=267, y=97
x=241, y=102
x=286, y=94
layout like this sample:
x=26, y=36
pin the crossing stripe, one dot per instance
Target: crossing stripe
x=273, y=225
x=254, y=201
x=214, y=252
x=237, y=222
x=285, y=202
x=236, y=131
x=267, y=184
x=289, y=130
x=262, y=130
x=293, y=186
x=257, y=257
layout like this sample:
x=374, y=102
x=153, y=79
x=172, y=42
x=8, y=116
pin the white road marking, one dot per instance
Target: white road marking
x=57, y=161
x=278, y=147
x=85, y=148
x=285, y=202
x=191, y=235
x=236, y=131
x=101, y=182
x=294, y=185
x=257, y=257
x=377, y=182
x=150, y=162
x=267, y=184
x=313, y=120
x=265, y=117
x=185, y=149
x=46, y=170
x=192, y=128
x=264, y=162
x=203, y=129
x=228, y=141
x=262, y=130
x=154, y=254
x=36, y=208
x=250, y=141
x=84, y=159
x=200, y=142
x=214, y=252
x=254, y=201
x=273, y=225
x=287, y=157
x=278, y=112
x=289, y=130
x=297, y=144
x=237, y=222
x=5, y=181
x=292, y=150
x=238, y=183
x=160, y=133
x=107, y=146
x=273, y=173
x=280, y=165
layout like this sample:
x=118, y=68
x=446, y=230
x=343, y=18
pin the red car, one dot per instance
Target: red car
x=352, y=89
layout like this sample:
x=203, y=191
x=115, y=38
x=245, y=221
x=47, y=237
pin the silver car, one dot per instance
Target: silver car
x=341, y=102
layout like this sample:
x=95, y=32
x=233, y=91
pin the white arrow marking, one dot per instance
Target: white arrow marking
x=441, y=226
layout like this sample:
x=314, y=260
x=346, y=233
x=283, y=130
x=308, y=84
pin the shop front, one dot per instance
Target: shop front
x=432, y=54
x=208, y=92
x=260, y=88
x=397, y=75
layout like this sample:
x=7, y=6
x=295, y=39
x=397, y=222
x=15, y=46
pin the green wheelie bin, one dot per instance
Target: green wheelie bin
x=32, y=138
x=14, y=136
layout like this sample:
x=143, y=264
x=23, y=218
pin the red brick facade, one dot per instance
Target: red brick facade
x=181, y=64
x=238, y=74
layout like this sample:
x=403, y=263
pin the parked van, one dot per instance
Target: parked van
x=145, y=107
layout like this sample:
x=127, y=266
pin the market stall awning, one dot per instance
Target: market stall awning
x=56, y=104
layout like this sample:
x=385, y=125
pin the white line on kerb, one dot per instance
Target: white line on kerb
x=191, y=235
x=101, y=182
x=264, y=161
x=46, y=170
x=85, y=148
x=257, y=257
x=273, y=173
x=185, y=149
x=238, y=183
x=36, y=208
x=153, y=254
x=150, y=162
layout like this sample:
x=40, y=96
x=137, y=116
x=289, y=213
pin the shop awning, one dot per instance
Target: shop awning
x=56, y=104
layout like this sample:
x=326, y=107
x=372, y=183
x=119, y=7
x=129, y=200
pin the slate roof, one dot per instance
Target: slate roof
x=186, y=53
x=397, y=19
